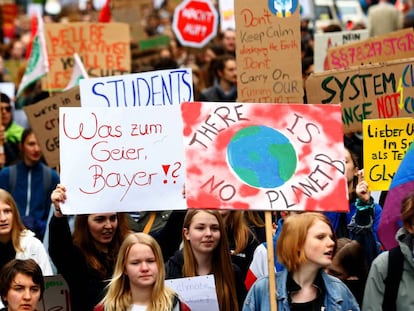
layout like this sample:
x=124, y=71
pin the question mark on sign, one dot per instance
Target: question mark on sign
x=174, y=172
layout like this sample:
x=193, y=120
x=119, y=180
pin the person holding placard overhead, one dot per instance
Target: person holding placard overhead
x=305, y=247
x=206, y=251
x=138, y=280
x=362, y=220
x=87, y=259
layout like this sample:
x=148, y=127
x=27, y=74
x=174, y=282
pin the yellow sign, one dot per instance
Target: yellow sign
x=385, y=143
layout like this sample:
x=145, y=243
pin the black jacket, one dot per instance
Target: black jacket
x=86, y=285
x=174, y=268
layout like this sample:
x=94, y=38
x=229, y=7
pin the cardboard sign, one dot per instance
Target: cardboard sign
x=264, y=157
x=385, y=144
x=367, y=92
x=198, y=292
x=112, y=158
x=44, y=120
x=396, y=45
x=268, y=52
x=132, y=12
x=103, y=47
x=154, y=88
x=56, y=295
x=328, y=40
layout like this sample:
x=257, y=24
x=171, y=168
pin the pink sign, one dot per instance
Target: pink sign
x=264, y=157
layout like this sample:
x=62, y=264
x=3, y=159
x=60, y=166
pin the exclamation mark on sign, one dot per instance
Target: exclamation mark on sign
x=165, y=169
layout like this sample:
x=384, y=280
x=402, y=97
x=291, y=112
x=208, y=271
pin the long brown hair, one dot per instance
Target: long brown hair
x=17, y=224
x=236, y=224
x=221, y=263
x=83, y=239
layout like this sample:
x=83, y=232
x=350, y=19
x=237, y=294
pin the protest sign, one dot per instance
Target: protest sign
x=103, y=47
x=44, y=120
x=154, y=88
x=112, y=158
x=395, y=45
x=198, y=292
x=268, y=52
x=132, y=12
x=264, y=157
x=376, y=91
x=327, y=40
x=226, y=11
x=56, y=295
x=385, y=144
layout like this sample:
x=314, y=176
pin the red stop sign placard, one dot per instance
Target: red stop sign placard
x=195, y=22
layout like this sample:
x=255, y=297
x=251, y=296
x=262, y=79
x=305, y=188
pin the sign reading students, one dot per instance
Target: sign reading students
x=195, y=22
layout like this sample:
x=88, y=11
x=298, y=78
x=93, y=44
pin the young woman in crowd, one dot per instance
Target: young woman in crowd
x=138, y=279
x=21, y=285
x=15, y=240
x=206, y=251
x=87, y=259
x=377, y=296
x=349, y=265
x=305, y=247
x=241, y=238
x=361, y=222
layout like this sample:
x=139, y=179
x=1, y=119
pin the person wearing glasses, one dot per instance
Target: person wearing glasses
x=10, y=132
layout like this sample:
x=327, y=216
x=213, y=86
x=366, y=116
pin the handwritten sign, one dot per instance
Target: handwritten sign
x=268, y=52
x=327, y=40
x=103, y=47
x=198, y=292
x=396, y=45
x=264, y=157
x=44, y=120
x=385, y=144
x=226, y=11
x=56, y=295
x=112, y=158
x=367, y=92
x=155, y=88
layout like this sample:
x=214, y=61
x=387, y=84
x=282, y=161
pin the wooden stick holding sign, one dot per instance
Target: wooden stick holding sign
x=268, y=41
x=271, y=260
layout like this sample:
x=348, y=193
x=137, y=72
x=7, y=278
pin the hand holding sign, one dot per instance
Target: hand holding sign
x=362, y=190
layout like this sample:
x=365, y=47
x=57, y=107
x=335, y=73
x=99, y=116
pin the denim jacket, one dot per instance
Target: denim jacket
x=338, y=296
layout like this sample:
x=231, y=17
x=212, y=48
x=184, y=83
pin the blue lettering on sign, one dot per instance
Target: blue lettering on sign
x=151, y=90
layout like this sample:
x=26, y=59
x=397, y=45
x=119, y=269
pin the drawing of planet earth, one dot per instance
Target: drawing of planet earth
x=261, y=156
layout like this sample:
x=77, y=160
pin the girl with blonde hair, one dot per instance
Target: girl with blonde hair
x=138, y=279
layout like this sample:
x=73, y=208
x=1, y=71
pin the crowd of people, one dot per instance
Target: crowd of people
x=119, y=261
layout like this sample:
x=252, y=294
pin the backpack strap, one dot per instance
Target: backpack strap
x=393, y=279
x=12, y=177
x=47, y=179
